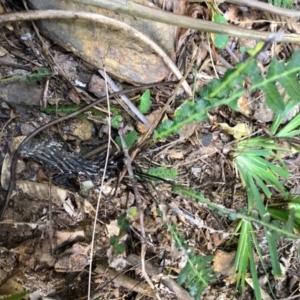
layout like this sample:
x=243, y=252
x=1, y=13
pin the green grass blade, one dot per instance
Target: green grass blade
x=294, y=123
x=273, y=253
x=253, y=271
x=242, y=254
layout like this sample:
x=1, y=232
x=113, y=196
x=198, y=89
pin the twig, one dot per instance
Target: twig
x=115, y=88
x=62, y=14
x=138, y=10
x=34, y=133
x=45, y=94
x=50, y=224
x=102, y=185
x=13, y=65
x=139, y=204
x=219, y=57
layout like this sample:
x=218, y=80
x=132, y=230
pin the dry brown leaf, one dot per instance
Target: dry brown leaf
x=175, y=154
x=13, y=284
x=264, y=295
x=80, y=128
x=62, y=237
x=141, y=128
x=74, y=259
x=73, y=95
x=113, y=228
x=224, y=262
x=187, y=130
x=231, y=13
x=243, y=105
x=59, y=196
x=193, y=10
x=293, y=24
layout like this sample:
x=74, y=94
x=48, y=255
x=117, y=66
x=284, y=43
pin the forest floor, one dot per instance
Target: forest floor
x=49, y=225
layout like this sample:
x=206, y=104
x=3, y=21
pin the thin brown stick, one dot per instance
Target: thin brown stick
x=125, y=99
x=102, y=183
x=149, y=13
x=62, y=14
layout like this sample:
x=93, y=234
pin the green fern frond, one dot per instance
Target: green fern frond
x=197, y=274
x=187, y=113
x=231, y=87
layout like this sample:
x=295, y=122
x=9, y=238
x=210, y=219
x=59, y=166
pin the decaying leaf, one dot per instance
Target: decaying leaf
x=238, y=131
x=59, y=196
x=224, y=262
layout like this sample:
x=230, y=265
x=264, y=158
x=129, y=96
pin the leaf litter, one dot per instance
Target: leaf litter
x=205, y=168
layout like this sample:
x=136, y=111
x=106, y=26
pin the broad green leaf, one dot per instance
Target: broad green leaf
x=163, y=172
x=290, y=82
x=130, y=139
x=273, y=98
x=257, y=49
x=123, y=223
x=132, y=213
x=273, y=254
x=186, y=114
x=220, y=40
x=145, y=102
x=116, y=120
x=197, y=274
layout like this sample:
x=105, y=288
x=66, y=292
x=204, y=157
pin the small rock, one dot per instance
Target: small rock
x=97, y=86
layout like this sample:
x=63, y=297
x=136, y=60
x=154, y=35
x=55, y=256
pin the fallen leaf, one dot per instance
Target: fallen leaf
x=264, y=295
x=237, y=131
x=224, y=262
x=243, y=105
x=175, y=154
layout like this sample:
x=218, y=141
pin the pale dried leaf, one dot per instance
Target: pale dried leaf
x=175, y=154
x=243, y=105
x=59, y=196
x=68, y=236
x=5, y=173
x=238, y=131
x=113, y=228
x=264, y=295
